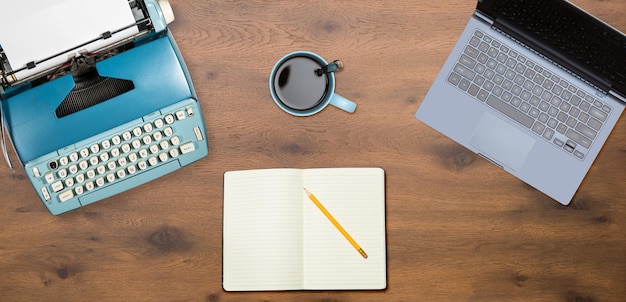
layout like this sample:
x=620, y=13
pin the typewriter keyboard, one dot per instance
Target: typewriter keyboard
x=120, y=159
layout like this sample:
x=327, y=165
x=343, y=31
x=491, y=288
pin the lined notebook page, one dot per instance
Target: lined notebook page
x=275, y=238
x=263, y=230
x=356, y=199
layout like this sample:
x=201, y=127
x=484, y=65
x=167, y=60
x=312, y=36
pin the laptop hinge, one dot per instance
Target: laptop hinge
x=618, y=96
x=483, y=17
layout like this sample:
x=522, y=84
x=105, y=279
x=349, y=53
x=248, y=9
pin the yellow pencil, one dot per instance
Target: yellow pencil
x=337, y=225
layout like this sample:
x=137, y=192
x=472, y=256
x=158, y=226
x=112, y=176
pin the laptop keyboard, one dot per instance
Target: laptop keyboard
x=119, y=159
x=526, y=92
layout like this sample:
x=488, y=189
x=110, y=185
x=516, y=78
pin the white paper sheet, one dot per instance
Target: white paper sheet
x=33, y=30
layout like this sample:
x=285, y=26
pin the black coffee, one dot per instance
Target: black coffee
x=297, y=84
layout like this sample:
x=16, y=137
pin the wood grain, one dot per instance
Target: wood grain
x=458, y=228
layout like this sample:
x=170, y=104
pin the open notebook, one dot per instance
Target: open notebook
x=275, y=238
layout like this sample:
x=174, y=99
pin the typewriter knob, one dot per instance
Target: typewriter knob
x=166, y=8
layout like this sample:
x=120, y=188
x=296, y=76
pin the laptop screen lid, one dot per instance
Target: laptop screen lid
x=567, y=35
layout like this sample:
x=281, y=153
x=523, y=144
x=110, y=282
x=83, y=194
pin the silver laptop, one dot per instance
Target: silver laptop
x=535, y=87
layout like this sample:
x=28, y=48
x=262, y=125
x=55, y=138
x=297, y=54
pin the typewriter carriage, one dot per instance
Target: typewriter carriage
x=151, y=19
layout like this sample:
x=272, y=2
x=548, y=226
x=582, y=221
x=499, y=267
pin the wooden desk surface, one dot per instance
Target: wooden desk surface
x=458, y=228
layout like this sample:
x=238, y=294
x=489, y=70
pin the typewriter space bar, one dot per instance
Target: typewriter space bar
x=129, y=182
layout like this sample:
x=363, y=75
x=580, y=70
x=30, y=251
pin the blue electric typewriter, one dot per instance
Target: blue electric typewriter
x=106, y=106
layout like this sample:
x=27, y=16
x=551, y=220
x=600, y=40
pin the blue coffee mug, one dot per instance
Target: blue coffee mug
x=302, y=83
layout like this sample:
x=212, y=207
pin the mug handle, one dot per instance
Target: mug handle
x=342, y=103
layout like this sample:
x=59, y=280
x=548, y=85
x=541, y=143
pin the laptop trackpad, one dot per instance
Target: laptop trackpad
x=501, y=142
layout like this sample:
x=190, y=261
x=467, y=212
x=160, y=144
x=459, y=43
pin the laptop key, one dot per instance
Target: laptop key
x=482, y=95
x=579, y=154
x=473, y=90
x=538, y=128
x=548, y=134
x=558, y=142
x=509, y=111
x=598, y=114
x=464, y=71
x=595, y=124
x=474, y=41
x=454, y=79
x=471, y=52
x=478, y=80
x=578, y=138
x=464, y=85
x=483, y=47
x=467, y=61
x=586, y=131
